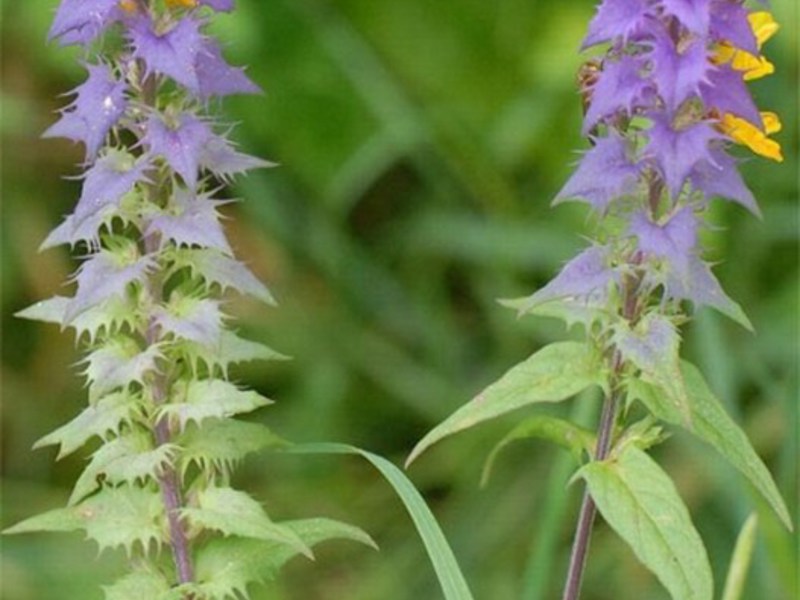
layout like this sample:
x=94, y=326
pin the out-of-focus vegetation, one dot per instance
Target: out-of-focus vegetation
x=420, y=144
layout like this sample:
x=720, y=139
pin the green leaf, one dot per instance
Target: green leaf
x=233, y=512
x=106, y=416
x=116, y=516
x=138, y=585
x=107, y=317
x=711, y=423
x=130, y=458
x=222, y=442
x=554, y=373
x=231, y=349
x=568, y=310
x=117, y=364
x=194, y=401
x=225, y=567
x=640, y=502
x=740, y=561
x=567, y=435
x=444, y=562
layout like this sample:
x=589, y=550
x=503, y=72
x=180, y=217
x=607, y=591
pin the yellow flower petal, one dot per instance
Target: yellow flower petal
x=183, y=3
x=747, y=134
x=764, y=26
x=772, y=124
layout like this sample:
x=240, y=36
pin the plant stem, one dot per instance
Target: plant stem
x=583, y=534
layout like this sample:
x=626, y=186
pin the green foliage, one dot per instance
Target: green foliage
x=641, y=503
x=126, y=516
x=195, y=401
x=226, y=567
x=709, y=422
x=137, y=586
x=579, y=441
x=553, y=374
x=232, y=512
x=740, y=561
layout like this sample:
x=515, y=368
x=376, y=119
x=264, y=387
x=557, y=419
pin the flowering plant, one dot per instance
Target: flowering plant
x=149, y=308
x=663, y=104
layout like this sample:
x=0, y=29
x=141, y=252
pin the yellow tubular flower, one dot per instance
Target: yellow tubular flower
x=747, y=134
x=181, y=3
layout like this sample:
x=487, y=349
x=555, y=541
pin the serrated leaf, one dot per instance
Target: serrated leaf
x=227, y=272
x=117, y=364
x=740, y=561
x=223, y=442
x=226, y=567
x=232, y=512
x=114, y=517
x=107, y=317
x=640, y=502
x=194, y=401
x=105, y=416
x=230, y=349
x=570, y=311
x=563, y=433
x=711, y=423
x=139, y=585
x=130, y=458
x=197, y=320
x=444, y=562
x=553, y=374
x=106, y=275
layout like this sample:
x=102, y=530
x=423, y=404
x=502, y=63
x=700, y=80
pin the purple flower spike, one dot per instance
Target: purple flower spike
x=677, y=152
x=195, y=224
x=678, y=71
x=181, y=147
x=99, y=104
x=726, y=92
x=81, y=21
x=604, y=173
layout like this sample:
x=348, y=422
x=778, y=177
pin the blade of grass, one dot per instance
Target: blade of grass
x=444, y=562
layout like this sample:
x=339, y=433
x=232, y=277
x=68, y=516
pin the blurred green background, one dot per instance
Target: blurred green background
x=420, y=144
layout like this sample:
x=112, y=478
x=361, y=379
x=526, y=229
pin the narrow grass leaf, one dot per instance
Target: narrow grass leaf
x=740, y=561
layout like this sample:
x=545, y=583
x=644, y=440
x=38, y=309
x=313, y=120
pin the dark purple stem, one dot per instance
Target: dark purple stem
x=583, y=534
x=168, y=480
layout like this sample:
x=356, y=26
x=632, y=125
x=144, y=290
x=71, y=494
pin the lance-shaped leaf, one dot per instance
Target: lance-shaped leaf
x=106, y=416
x=216, y=268
x=117, y=364
x=193, y=220
x=233, y=512
x=577, y=440
x=640, y=502
x=124, y=516
x=130, y=458
x=107, y=317
x=139, y=585
x=740, y=561
x=711, y=423
x=106, y=275
x=221, y=443
x=99, y=104
x=554, y=373
x=194, y=319
x=194, y=401
x=226, y=567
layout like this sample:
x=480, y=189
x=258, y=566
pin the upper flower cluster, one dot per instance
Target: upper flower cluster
x=662, y=106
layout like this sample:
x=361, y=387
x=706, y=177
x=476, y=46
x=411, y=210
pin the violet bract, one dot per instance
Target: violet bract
x=148, y=306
